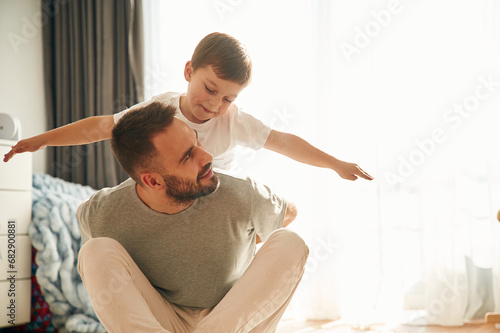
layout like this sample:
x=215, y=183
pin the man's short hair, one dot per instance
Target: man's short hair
x=228, y=57
x=132, y=138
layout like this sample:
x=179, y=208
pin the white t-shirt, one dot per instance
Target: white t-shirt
x=219, y=135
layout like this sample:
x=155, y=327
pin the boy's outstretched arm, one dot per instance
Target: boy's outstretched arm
x=81, y=132
x=300, y=150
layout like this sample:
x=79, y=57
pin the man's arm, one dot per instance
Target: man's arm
x=290, y=215
x=300, y=150
x=84, y=227
x=81, y=132
x=79, y=210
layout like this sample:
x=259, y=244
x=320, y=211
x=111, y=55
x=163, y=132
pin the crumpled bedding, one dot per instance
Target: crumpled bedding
x=55, y=233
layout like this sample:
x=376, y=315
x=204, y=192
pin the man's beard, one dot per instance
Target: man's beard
x=184, y=191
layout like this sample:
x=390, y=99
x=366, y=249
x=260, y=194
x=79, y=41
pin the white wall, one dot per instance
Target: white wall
x=21, y=69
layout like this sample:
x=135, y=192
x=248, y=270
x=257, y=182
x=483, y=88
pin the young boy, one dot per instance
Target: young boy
x=218, y=71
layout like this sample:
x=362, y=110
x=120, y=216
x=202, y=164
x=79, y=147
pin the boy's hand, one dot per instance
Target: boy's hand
x=26, y=145
x=351, y=171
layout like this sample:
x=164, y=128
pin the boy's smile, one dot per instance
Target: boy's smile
x=207, y=95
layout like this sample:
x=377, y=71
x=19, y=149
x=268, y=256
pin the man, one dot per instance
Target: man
x=173, y=248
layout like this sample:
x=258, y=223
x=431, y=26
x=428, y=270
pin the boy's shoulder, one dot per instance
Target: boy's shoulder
x=167, y=97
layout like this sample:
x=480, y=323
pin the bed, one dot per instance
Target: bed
x=60, y=302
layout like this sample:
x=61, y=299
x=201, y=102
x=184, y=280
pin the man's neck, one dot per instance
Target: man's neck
x=161, y=204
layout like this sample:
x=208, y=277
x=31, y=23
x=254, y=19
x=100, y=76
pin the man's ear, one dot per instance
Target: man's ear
x=188, y=71
x=152, y=180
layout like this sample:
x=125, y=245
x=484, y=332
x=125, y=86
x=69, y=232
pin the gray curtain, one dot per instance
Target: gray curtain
x=93, y=58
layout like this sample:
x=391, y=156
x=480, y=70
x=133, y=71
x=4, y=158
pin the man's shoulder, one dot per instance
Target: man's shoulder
x=109, y=195
x=231, y=180
x=236, y=185
x=246, y=188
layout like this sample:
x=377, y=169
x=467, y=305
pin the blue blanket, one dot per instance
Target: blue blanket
x=55, y=234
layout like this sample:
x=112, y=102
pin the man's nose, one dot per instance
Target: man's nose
x=205, y=156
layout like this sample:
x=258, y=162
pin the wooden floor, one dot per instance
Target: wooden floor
x=311, y=326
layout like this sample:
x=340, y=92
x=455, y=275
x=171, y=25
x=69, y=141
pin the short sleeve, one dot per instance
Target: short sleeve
x=165, y=97
x=249, y=131
x=83, y=220
x=268, y=210
x=119, y=115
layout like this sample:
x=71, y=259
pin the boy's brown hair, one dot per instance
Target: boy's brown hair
x=132, y=135
x=227, y=56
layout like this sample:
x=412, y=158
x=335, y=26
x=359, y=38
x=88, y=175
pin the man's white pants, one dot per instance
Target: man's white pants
x=125, y=301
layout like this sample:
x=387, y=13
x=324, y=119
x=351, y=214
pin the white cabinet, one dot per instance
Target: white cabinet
x=15, y=245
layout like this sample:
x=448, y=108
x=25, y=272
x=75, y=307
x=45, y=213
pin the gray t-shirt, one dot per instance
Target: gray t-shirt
x=195, y=256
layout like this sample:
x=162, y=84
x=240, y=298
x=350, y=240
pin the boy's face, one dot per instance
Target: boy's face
x=207, y=96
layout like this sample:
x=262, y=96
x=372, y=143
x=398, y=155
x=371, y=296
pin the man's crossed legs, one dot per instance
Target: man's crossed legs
x=125, y=301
